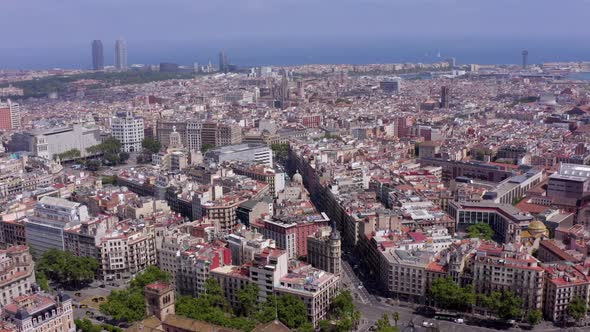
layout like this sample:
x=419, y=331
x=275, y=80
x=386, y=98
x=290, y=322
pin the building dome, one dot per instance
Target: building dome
x=297, y=178
x=536, y=227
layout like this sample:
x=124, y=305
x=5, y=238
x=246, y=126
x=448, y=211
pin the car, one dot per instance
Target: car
x=427, y=324
x=78, y=294
x=83, y=306
x=360, y=286
x=102, y=286
x=100, y=318
x=459, y=321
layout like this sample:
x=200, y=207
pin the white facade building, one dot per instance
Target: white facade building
x=45, y=228
x=128, y=129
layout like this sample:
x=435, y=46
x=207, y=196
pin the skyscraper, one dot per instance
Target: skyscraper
x=97, y=55
x=121, y=54
x=445, y=97
x=223, y=62
x=525, y=55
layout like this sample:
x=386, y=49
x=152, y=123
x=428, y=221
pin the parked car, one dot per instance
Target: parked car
x=427, y=324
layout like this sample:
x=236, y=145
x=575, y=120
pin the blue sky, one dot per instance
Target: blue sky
x=33, y=29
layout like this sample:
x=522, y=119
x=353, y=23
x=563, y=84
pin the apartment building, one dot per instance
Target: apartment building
x=17, y=273
x=290, y=232
x=39, y=313
x=324, y=250
x=276, y=275
x=509, y=268
x=196, y=263
x=126, y=252
x=563, y=283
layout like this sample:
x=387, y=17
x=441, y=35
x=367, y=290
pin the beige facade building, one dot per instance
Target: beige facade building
x=39, y=313
x=324, y=250
x=17, y=273
x=563, y=283
x=509, y=268
x=124, y=253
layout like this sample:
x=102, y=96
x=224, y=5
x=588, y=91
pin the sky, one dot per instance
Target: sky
x=38, y=33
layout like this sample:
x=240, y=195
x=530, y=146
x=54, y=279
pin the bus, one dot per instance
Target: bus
x=445, y=315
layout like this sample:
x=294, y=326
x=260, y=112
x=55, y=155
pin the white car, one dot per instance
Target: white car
x=459, y=321
x=427, y=324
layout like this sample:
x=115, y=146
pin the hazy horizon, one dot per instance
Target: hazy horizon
x=58, y=33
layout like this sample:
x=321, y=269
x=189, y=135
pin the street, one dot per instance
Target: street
x=372, y=308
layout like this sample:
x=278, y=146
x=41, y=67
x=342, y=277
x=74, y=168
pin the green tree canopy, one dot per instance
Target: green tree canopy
x=206, y=147
x=151, y=145
x=448, y=295
x=535, y=317
x=383, y=324
x=480, y=230
x=506, y=305
x=292, y=311
x=577, y=308
x=248, y=298
x=128, y=304
x=70, y=154
x=65, y=268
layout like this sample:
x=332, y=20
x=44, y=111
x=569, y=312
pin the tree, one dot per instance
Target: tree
x=151, y=145
x=110, y=150
x=344, y=324
x=506, y=305
x=306, y=327
x=150, y=275
x=535, y=317
x=65, y=268
x=42, y=281
x=85, y=325
x=292, y=311
x=448, y=295
x=383, y=325
x=480, y=230
x=206, y=147
x=577, y=308
x=395, y=317
x=324, y=325
x=93, y=165
x=344, y=311
x=214, y=294
x=123, y=156
x=70, y=154
x=128, y=304
x=267, y=310
x=109, y=180
x=248, y=299
x=342, y=304
x=383, y=322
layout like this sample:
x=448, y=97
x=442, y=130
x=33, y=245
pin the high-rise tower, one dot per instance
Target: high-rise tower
x=445, y=96
x=223, y=62
x=525, y=55
x=121, y=54
x=97, y=55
